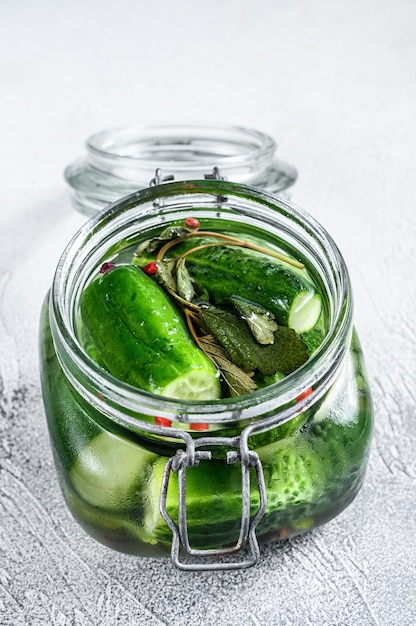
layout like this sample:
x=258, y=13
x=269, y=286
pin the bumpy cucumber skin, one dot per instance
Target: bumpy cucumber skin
x=226, y=271
x=137, y=331
x=312, y=471
x=310, y=476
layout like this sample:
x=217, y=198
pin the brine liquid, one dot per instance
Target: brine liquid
x=313, y=468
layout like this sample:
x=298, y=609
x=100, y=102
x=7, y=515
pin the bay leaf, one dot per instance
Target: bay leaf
x=184, y=282
x=165, y=274
x=238, y=381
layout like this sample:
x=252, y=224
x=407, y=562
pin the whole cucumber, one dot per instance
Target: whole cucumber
x=226, y=271
x=289, y=295
x=140, y=337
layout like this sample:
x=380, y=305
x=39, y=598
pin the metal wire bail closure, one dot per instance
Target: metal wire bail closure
x=247, y=537
x=159, y=178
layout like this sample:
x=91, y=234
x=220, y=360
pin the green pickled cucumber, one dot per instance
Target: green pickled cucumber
x=108, y=472
x=224, y=271
x=138, y=335
x=295, y=476
x=313, y=339
x=286, y=293
x=213, y=494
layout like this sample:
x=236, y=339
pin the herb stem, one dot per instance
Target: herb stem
x=251, y=246
x=169, y=245
x=202, y=247
x=190, y=316
x=231, y=241
x=184, y=303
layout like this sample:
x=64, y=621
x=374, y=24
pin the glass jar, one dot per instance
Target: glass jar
x=205, y=481
x=123, y=160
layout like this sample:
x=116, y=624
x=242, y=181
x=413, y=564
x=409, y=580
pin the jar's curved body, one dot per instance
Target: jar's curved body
x=312, y=469
x=295, y=451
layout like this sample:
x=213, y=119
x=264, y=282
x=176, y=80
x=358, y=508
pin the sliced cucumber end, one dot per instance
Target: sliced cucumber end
x=198, y=384
x=108, y=472
x=305, y=311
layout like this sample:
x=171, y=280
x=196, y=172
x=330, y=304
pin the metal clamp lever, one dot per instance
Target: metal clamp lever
x=158, y=179
x=179, y=464
x=215, y=175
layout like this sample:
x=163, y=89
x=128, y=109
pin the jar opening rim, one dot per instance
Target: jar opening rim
x=146, y=143
x=333, y=347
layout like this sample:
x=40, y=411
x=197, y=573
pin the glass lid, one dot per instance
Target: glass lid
x=123, y=160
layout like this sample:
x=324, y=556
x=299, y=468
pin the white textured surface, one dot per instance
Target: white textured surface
x=335, y=83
